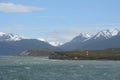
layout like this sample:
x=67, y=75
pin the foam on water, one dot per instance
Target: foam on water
x=27, y=67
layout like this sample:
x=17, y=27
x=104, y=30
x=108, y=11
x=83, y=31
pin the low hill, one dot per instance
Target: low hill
x=45, y=53
x=15, y=47
x=108, y=54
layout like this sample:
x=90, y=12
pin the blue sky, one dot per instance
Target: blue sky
x=58, y=20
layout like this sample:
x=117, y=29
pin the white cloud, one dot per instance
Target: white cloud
x=66, y=34
x=11, y=7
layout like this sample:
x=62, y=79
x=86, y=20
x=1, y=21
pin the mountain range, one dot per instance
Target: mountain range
x=109, y=38
x=12, y=44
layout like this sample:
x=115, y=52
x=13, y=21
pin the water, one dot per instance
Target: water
x=36, y=68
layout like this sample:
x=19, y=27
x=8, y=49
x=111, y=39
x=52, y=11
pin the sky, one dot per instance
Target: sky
x=58, y=20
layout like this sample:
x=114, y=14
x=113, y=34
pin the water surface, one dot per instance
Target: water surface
x=38, y=68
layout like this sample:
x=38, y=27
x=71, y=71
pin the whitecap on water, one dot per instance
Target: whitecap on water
x=81, y=66
x=101, y=67
x=20, y=63
x=27, y=67
x=54, y=60
x=104, y=74
x=12, y=71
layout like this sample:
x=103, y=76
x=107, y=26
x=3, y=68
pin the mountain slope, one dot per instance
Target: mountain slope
x=109, y=38
x=113, y=42
x=11, y=44
x=37, y=52
x=15, y=47
x=75, y=42
x=106, y=34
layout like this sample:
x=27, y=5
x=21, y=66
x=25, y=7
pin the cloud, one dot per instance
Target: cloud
x=11, y=7
x=66, y=34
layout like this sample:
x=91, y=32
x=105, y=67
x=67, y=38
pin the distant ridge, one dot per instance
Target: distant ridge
x=10, y=37
x=109, y=38
x=12, y=44
x=16, y=47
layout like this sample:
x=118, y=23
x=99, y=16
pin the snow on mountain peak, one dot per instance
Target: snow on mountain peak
x=82, y=37
x=1, y=33
x=51, y=43
x=9, y=37
x=108, y=33
x=15, y=37
x=114, y=31
x=105, y=33
x=41, y=39
x=55, y=43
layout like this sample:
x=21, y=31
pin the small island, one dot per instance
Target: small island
x=107, y=54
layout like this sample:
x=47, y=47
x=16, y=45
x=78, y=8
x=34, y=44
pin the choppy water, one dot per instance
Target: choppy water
x=36, y=68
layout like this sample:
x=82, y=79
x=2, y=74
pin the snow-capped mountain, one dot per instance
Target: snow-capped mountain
x=82, y=37
x=41, y=39
x=106, y=34
x=109, y=38
x=55, y=43
x=11, y=44
x=75, y=42
x=51, y=43
x=10, y=37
